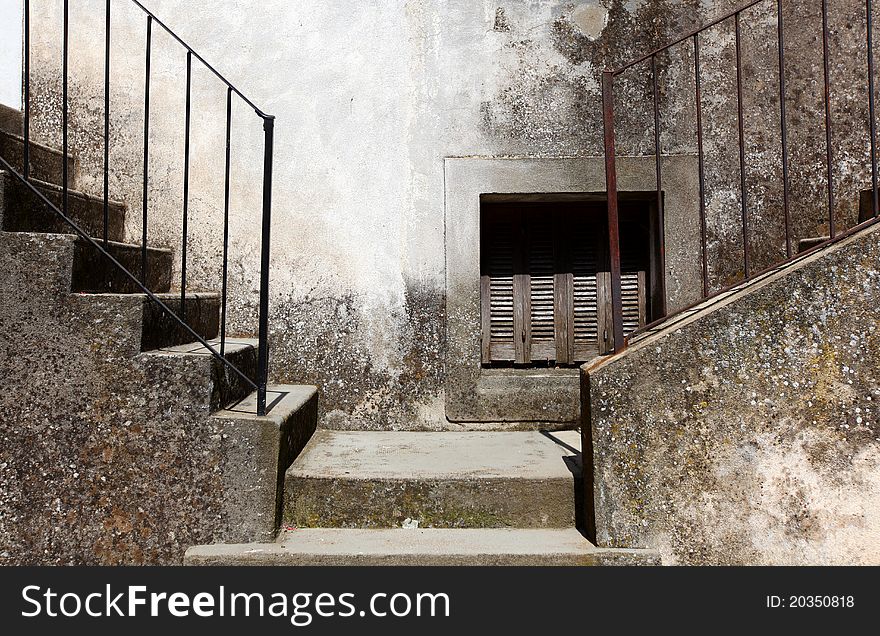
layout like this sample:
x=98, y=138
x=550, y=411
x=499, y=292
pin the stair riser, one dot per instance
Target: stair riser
x=93, y=272
x=161, y=330
x=22, y=211
x=454, y=503
x=229, y=388
x=46, y=163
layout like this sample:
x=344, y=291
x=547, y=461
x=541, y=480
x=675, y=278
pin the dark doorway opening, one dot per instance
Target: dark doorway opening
x=545, y=275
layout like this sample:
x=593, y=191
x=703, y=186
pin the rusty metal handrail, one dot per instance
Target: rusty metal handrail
x=608, y=76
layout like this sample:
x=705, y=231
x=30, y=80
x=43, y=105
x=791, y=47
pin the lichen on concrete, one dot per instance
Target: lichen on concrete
x=750, y=433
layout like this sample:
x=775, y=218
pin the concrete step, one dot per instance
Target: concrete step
x=22, y=211
x=257, y=451
x=442, y=479
x=201, y=312
x=423, y=547
x=227, y=387
x=94, y=272
x=46, y=162
x=157, y=329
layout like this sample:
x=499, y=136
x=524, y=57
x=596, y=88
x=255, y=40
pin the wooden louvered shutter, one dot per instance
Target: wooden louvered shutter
x=544, y=298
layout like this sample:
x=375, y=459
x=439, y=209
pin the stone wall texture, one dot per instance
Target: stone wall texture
x=750, y=434
x=370, y=99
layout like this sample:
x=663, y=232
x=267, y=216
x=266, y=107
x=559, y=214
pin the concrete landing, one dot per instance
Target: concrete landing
x=442, y=480
x=333, y=546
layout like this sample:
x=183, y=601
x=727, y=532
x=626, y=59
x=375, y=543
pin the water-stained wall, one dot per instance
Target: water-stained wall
x=369, y=98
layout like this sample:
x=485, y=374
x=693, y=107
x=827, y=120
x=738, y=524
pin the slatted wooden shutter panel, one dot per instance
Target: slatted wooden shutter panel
x=585, y=264
x=544, y=298
x=633, y=279
x=497, y=287
x=541, y=239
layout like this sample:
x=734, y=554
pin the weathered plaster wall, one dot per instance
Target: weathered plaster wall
x=10, y=52
x=751, y=434
x=370, y=98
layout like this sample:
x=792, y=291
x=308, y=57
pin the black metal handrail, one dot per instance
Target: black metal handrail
x=141, y=282
x=608, y=76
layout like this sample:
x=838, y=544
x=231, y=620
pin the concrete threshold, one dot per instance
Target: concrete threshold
x=421, y=547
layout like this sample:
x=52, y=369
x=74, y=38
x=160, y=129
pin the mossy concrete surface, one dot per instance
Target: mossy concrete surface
x=442, y=480
x=749, y=432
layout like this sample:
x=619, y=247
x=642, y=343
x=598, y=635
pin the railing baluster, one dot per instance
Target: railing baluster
x=64, y=109
x=829, y=153
x=226, y=222
x=871, y=112
x=263, y=351
x=26, y=160
x=102, y=244
x=783, y=127
x=107, y=123
x=146, y=151
x=613, y=222
x=185, y=185
x=701, y=164
x=742, y=146
x=658, y=177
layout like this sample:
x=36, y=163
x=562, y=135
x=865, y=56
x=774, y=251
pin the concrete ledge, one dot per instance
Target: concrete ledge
x=257, y=452
x=423, y=547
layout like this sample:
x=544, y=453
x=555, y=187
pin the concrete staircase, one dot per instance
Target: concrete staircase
x=420, y=498
x=67, y=310
x=384, y=498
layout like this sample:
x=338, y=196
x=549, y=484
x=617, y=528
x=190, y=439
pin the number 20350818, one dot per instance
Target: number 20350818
x=810, y=600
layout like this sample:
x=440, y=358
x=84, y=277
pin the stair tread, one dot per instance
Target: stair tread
x=71, y=192
x=393, y=455
x=172, y=295
x=365, y=544
x=34, y=144
x=281, y=401
x=129, y=246
x=233, y=345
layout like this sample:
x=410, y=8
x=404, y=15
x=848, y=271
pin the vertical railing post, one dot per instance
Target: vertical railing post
x=146, y=151
x=64, y=109
x=658, y=177
x=186, y=144
x=106, y=122
x=613, y=223
x=263, y=352
x=871, y=110
x=829, y=152
x=783, y=126
x=27, y=90
x=742, y=147
x=226, y=223
x=701, y=166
